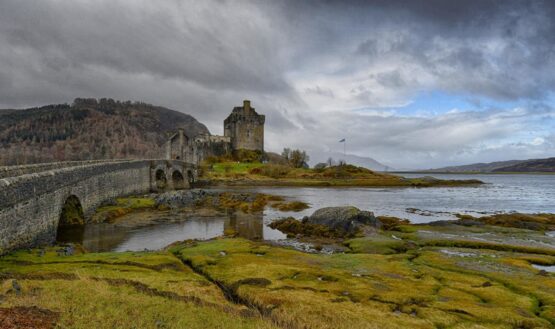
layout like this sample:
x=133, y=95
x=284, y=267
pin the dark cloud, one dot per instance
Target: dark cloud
x=305, y=64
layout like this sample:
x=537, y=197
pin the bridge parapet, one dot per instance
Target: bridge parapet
x=11, y=171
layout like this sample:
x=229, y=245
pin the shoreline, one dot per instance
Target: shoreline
x=470, y=173
x=336, y=183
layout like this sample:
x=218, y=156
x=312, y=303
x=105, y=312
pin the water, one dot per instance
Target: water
x=550, y=268
x=503, y=193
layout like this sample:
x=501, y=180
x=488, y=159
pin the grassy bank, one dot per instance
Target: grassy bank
x=413, y=277
x=257, y=174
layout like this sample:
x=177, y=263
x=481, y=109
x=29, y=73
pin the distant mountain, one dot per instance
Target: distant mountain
x=532, y=165
x=89, y=129
x=535, y=165
x=356, y=160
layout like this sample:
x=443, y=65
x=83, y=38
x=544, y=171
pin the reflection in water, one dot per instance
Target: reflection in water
x=154, y=230
x=248, y=226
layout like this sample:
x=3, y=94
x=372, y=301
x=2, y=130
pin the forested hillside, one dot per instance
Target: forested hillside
x=89, y=129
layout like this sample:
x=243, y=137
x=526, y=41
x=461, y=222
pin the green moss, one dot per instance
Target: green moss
x=537, y=222
x=121, y=207
x=290, y=206
x=293, y=227
x=378, y=244
x=428, y=289
x=72, y=212
x=116, y=290
x=236, y=283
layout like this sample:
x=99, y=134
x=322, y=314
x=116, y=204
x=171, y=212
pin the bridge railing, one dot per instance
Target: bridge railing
x=13, y=171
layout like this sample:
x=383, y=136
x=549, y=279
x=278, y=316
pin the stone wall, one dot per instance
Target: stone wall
x=204, y=146
x=30, y=205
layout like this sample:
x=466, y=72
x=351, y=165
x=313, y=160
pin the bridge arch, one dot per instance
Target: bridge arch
x=161, y=180
x=72, y=218
x=190, y=177
x=72, y=212
x=178, y=180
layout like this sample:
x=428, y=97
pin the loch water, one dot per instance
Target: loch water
x=501, y=193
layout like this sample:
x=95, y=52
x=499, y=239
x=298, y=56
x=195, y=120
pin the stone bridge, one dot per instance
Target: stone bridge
x=34, y=198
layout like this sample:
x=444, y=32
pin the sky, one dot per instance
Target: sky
x=412, y=84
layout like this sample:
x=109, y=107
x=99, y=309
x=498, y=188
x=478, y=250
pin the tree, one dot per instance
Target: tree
x=286, y=153
x=330, y=162
x=298, y=159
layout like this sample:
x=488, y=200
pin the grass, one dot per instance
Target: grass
x=236, y=283
x=378, y=244
x=121, y=207
x=361, y=290
x=234, y=167
x=258, y=174
x=290, y=206
x=119, y=290
x=538, y=222
x=413, y=276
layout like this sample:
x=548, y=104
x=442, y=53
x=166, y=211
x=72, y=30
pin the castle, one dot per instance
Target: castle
x=243, y=130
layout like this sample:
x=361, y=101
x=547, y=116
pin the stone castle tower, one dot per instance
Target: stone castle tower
x=245, y=128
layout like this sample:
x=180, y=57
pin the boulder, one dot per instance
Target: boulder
x=347, y=219
x=180, y=198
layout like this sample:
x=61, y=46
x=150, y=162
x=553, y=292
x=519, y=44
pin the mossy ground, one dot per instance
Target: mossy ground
x=121, y=207
x=394, y=279
x=258, y=174
x=119, y=290
x=427, y=288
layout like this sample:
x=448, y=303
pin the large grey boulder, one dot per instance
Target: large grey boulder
x=348, y=219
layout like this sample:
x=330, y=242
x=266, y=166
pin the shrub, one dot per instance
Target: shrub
x=320, y=166
x=273, y=171
x=243, y=155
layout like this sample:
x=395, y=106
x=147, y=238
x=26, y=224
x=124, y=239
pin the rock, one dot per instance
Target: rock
x=181, y=198
x=347, y=219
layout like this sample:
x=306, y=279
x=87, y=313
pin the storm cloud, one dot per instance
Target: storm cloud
x=319, y=70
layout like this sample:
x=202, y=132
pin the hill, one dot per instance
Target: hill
x=532, y=165
x=89, y=129
x=536, y=165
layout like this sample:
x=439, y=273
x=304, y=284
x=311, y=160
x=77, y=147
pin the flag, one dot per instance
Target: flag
x=342, y=141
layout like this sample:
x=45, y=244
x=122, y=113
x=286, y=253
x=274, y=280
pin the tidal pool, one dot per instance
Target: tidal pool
x=550, y=268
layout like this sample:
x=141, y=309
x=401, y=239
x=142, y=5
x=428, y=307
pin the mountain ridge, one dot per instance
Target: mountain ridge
x=530, y=165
